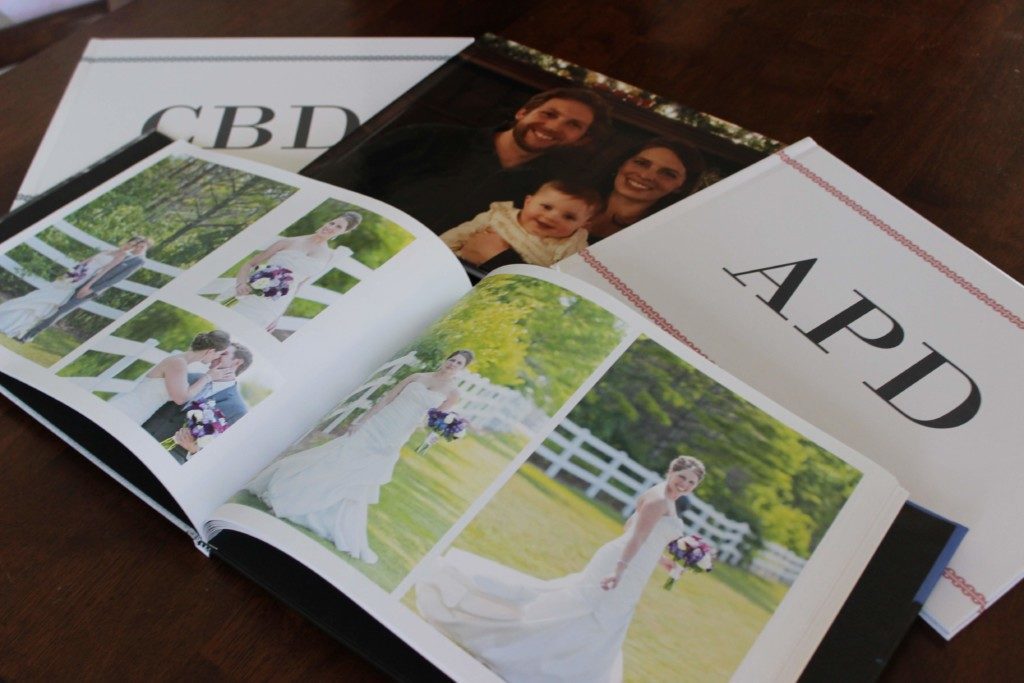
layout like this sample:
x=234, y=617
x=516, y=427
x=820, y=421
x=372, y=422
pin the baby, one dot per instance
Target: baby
x=550, y=226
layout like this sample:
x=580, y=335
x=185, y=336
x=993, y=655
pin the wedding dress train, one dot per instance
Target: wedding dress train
x=328, y=488
x=526, y=629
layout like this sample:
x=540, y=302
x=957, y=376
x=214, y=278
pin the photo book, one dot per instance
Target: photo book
x=520, y=479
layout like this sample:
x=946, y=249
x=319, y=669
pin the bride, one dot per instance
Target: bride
x=306, y=258
x=328, y=489
x=565, y=629
x=21, y=314
x=168, y=379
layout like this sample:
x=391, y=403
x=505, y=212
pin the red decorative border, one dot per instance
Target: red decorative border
x=960, y=583
x=637, y=300
x=903, y=240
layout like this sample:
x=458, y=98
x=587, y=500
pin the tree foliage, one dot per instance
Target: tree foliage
x=187, y=206
x=527, y=334
x=172, y=327
x=654, y=406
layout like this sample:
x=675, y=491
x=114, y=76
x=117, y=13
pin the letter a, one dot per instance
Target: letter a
x=784, y=289
x=959, y=415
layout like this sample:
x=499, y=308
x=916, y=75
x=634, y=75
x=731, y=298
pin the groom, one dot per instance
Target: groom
x=169, y=419
x=135, y=250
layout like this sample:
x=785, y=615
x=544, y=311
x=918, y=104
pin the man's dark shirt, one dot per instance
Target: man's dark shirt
x=439, y=174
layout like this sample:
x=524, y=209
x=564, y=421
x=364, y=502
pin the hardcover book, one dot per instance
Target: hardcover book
x=258, y=98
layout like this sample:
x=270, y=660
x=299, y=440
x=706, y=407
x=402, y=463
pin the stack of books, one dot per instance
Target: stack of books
x=527, y=371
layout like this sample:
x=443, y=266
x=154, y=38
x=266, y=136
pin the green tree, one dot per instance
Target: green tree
x=375, y=241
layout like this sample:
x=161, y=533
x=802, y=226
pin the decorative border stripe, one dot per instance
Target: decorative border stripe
x=266, y=58
x=892, y=232
x=637, y=300
x=22, y=197
x=960, y=583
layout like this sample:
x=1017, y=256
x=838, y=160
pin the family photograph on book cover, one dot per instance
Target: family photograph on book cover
x=650, y=538
x=64, y=284
x=309, y=266
x=514, y=156
x=175, y=375
x=386, y=473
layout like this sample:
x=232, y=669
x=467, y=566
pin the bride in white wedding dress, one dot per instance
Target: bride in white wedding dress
x=21, y=314
x=306, y=258
x=328, y=489
x=569, y=629
x=168, y=379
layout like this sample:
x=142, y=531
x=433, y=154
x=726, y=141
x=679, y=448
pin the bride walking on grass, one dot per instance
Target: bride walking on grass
x=566, y=629
x=302, y=259
x=328, y=489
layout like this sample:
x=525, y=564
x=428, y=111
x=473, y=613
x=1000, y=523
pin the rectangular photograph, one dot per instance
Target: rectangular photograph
x=515, y=156
x=65, y=283
x=391, y=469
x=310, y=266
x=650, y=538
x=175, y=375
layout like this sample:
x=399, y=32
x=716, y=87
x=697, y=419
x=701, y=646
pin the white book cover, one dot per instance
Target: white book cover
x=280, y=101
x=813, y=285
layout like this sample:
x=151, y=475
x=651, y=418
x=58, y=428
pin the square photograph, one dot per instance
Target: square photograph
x=650, y=538
x=308, y=267
x=514, y=156
x=174, y=374
x=391, y=469
x=69, y=281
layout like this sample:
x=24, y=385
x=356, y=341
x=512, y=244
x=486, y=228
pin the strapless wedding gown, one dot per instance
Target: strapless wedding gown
x=19, y=315
x=526, y=629
x=327, y=489
x=144, y=399
x=264, y=311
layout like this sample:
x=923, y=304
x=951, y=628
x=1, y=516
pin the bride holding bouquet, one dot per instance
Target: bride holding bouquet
x=328, y=489
x=267, y=283
x=566, y=629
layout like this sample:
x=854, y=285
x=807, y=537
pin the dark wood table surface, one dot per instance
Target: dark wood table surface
x=926, y=98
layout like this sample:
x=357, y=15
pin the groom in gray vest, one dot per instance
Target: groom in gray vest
x=135, y=258
x=169, y=418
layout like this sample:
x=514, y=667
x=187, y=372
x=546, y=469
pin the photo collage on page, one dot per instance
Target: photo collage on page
x=662, y=506
x=116, y=294
x=513, y=156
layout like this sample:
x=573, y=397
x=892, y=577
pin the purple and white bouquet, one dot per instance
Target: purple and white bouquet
x=77, y=272
x=204, y=421
x=268, y=281
x=688, y=553
x=448, y=426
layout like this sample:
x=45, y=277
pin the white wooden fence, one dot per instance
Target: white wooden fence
x=487, y=406
x=65, y=261
x=777, y=563
x=130, y=351
x=612, y=472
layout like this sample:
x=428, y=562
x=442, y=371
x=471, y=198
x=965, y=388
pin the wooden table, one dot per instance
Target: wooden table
x=925, y=98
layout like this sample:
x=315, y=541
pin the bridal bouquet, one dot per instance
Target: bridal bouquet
x=268, y=281
x=689, y=553
x=448, y=426
x=204, y=420
x=77, y=272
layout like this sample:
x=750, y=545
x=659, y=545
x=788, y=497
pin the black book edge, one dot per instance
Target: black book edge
x=858, y=644
x=85, y=434
x=887, y=597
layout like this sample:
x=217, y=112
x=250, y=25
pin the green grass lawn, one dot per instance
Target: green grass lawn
x=427, y=494
x=700, y=630
x=32, y=350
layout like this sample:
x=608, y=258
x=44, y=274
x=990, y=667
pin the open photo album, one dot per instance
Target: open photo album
x=518, y=480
